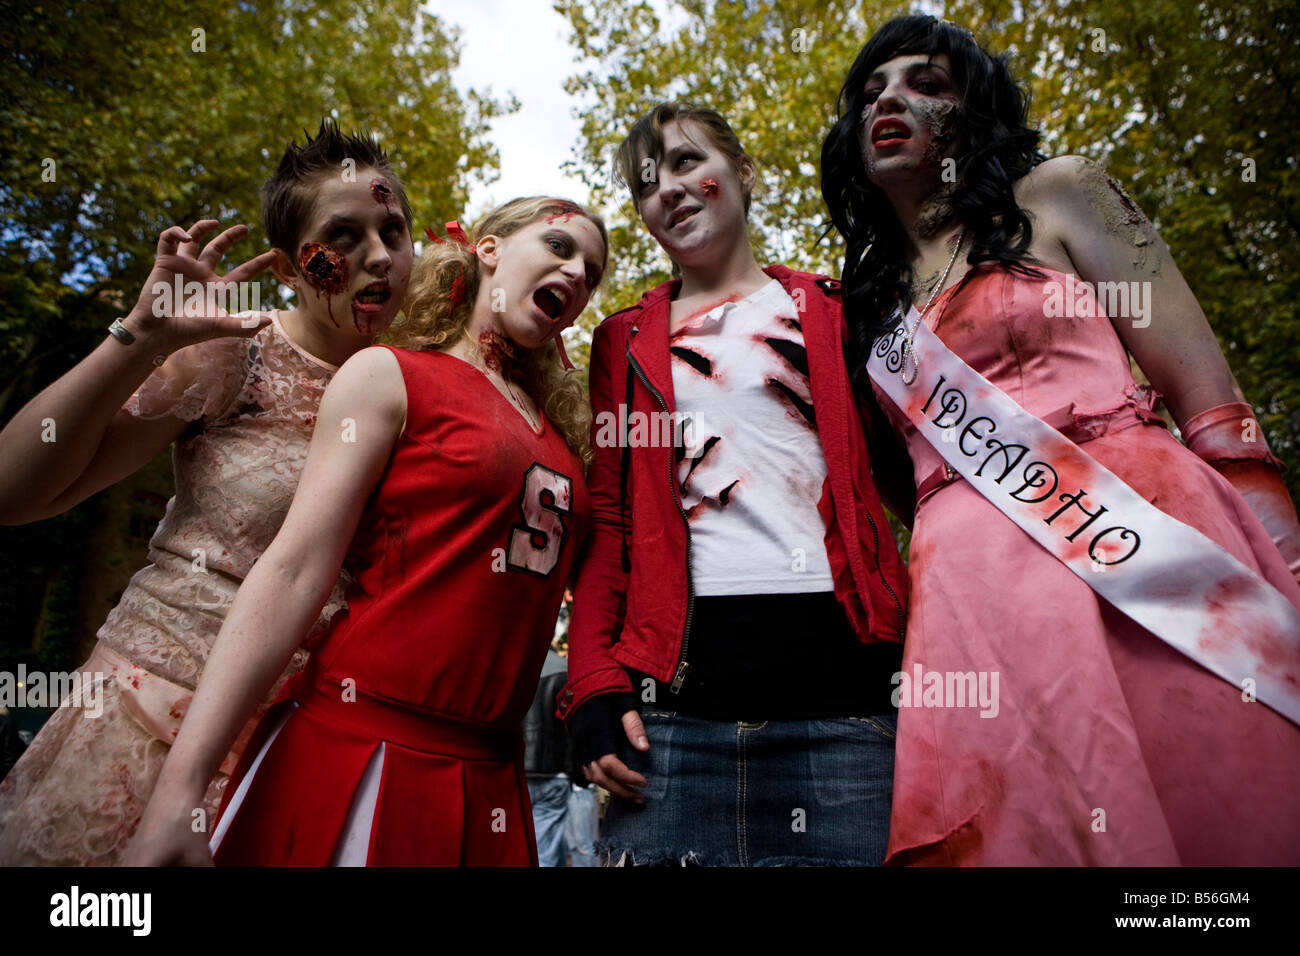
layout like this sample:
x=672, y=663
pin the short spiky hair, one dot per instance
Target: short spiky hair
x=288, y=195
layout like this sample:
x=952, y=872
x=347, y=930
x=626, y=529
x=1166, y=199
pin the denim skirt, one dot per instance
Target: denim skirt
x=775, y=793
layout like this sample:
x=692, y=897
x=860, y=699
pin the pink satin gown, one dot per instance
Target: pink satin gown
x=1108, y=746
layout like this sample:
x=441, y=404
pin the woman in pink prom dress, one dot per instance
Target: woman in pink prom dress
x=1100, y=743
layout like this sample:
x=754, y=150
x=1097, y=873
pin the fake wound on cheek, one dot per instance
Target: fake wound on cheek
x=325, y=270
x=709, y=187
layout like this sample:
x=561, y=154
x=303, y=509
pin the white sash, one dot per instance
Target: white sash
x=1168, y=577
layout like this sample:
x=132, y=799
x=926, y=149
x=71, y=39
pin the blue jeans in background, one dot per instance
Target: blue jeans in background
x=775, y=793
x=550, y=797
x=582, y=826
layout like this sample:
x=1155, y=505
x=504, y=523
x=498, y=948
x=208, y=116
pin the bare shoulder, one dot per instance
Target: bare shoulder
x=1071, y=184
x=1061, y=180
x=372, y=377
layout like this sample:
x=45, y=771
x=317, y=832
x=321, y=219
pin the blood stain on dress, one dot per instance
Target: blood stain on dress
x=698, y=313
x=1235, y=620
x=804, y=408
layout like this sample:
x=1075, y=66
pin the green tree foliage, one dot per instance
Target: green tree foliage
x=1174, y=98
x=119, y=119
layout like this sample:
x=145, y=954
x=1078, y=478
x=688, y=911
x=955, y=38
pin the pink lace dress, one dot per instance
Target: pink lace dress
x=77, y=794
x=1105, y=745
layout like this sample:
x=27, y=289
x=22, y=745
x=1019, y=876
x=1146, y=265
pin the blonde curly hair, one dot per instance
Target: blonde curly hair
x=436, y=318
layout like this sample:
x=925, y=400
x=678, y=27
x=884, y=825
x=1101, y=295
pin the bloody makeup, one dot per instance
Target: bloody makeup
x=500, y=354
x=382, y=193
x=326, y=270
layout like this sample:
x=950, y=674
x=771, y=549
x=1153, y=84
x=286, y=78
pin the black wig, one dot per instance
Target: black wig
x=999, y=149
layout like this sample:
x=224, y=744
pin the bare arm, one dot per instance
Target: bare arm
x=1104, y=237
x=281, y=596
x=72, y=439
x=1080, y=210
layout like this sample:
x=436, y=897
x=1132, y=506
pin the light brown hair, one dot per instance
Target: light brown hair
x=646, y=140
x=435, y=318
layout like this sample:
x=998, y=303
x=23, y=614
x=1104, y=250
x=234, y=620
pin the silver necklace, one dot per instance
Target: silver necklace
x=908, y=348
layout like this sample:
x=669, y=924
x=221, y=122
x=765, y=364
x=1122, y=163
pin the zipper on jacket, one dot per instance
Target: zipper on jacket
x=683, y=667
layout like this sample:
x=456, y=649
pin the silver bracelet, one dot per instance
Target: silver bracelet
x=123, y=335
x=121, y=332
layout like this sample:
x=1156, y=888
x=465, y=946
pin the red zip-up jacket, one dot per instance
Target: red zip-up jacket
x=633, y=602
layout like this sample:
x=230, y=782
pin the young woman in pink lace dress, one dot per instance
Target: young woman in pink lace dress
x=238, y=396
x=1106, y=745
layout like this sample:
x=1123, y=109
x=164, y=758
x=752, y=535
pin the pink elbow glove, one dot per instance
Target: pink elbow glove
x=1230, y=440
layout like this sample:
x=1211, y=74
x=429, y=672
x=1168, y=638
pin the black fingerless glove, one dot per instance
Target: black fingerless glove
x=597, y=726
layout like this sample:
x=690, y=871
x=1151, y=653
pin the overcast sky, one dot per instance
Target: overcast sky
x=520, y=47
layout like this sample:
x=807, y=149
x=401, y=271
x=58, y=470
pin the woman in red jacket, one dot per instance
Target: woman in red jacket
x=741, y=585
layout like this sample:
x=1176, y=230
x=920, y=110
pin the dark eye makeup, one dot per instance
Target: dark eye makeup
x=925, y=78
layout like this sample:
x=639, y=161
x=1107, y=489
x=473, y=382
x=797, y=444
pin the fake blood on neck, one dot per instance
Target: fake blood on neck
x=501, y=355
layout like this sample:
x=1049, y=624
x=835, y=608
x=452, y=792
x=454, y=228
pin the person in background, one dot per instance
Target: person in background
x=549, y=761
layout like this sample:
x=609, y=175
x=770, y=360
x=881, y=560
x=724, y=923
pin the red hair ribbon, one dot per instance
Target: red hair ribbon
x=454, y=231
x=456, y=234
x=564, y=356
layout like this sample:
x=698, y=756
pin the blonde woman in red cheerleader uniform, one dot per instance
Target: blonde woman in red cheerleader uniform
x=449, y=476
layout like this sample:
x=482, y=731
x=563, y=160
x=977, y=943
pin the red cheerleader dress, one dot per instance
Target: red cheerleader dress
x=400, y=743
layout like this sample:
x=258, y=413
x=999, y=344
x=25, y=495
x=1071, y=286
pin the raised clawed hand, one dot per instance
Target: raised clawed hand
x=169, y=323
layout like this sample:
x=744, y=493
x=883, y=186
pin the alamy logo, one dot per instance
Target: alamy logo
x=102, y=909
x=923, y=688
x=648, y=429
x=1077, y=298
x=181, y=298
x=37, y=689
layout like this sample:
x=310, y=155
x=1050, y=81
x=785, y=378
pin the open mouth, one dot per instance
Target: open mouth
x=889, y=131
x=550, y=301
x=377, y=293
